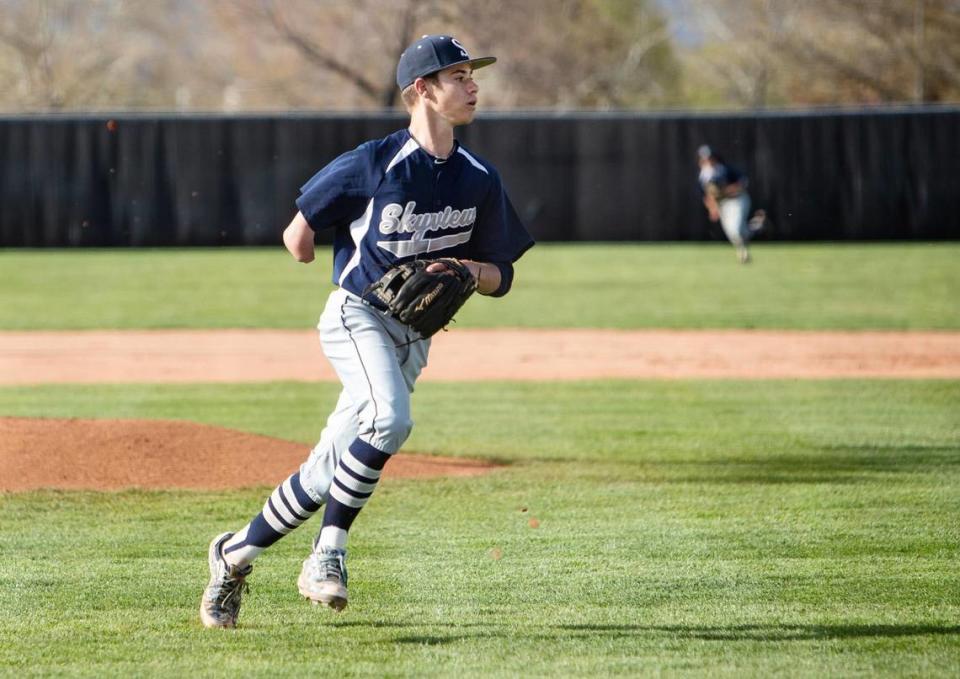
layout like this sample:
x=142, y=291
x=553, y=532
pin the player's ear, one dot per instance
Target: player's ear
x=420, y=85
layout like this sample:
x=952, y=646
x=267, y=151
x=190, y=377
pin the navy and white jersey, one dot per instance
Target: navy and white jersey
x=389, y=201
x=721, y=175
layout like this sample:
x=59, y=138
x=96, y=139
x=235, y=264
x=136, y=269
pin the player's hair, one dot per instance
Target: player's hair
x=409, y=95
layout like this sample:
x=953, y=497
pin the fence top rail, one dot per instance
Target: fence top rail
x=527, y=114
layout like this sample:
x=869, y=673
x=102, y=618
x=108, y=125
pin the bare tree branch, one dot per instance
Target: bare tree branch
x=319, y=56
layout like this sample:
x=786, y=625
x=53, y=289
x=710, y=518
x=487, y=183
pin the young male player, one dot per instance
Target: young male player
x=726, y=199
x=416, y=193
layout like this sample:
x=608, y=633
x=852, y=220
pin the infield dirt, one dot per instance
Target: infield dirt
x=74, y=454
x=267, y=355
x=113, y=454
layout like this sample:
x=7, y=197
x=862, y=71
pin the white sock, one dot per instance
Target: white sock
x=331, y=536
x=242, y=553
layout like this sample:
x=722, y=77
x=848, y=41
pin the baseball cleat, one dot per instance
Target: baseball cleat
x=758, y=222
x=323, y=578
x=220, y=605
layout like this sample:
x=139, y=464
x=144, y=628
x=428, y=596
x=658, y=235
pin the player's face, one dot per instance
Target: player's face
x=455, y=95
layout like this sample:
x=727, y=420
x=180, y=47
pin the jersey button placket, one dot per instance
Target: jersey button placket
x=437, y=173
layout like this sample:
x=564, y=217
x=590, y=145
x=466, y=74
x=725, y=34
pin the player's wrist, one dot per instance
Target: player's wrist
x=474, y=267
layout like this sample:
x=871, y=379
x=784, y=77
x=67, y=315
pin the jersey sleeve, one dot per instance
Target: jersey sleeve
x=339, y=192
x=500, y=236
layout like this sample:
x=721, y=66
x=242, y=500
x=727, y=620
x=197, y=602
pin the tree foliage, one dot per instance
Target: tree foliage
x=270, y=55
x=566, y=53
x=773, y=52
x=97, y=54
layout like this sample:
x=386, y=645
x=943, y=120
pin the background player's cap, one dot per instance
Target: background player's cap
x=433, y=53
x=705, y=152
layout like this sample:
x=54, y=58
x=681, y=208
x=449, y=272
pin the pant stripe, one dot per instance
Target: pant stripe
x=352, y=484
x=356, y=347
x=358, y=493
x=276, y=521
x=345, y=498
x=309, y=505
x=350, y=461
x=289, y=504
x=346, y=472
x=303, y=506
x=272, y=524
x=283, y=514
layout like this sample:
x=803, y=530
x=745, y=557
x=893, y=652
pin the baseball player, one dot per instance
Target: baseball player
x=417, y=193
x=727, y=201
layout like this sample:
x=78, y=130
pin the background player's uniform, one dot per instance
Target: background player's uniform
x=715, y=179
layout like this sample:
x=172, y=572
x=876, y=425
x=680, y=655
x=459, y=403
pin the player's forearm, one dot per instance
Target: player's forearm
x=298, y=239
x=488, y=275
x=734, y=189
x=713, y=208
x=489, y=279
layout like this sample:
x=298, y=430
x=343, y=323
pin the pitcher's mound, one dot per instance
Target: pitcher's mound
x=112, y=454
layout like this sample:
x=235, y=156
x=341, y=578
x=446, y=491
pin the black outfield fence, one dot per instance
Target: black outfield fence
x=158, y=180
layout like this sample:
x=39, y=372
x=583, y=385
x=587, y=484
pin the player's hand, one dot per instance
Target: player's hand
x=714, y=215
x=473, y=267
x=437, y=267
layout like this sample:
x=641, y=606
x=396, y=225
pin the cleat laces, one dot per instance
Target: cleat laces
x=228, y=593
x=330, y=565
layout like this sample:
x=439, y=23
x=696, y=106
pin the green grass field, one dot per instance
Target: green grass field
x=844, y=286
x=686, y=528
x=692, y=527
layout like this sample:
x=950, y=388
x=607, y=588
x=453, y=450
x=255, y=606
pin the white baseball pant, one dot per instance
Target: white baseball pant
x=733, y=218
x=378, y=359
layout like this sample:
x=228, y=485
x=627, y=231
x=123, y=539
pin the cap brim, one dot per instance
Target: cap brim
x=479, y=62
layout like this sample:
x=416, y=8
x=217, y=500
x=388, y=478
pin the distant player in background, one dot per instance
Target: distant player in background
x=727, y=201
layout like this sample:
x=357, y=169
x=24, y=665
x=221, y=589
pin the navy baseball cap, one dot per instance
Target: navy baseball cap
x=433, y=53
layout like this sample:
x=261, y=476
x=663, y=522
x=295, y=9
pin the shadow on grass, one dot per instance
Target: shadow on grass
x=772, y=633
x=491, y=630
x=434, y=640
x=769, y=632
x=834, y=464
